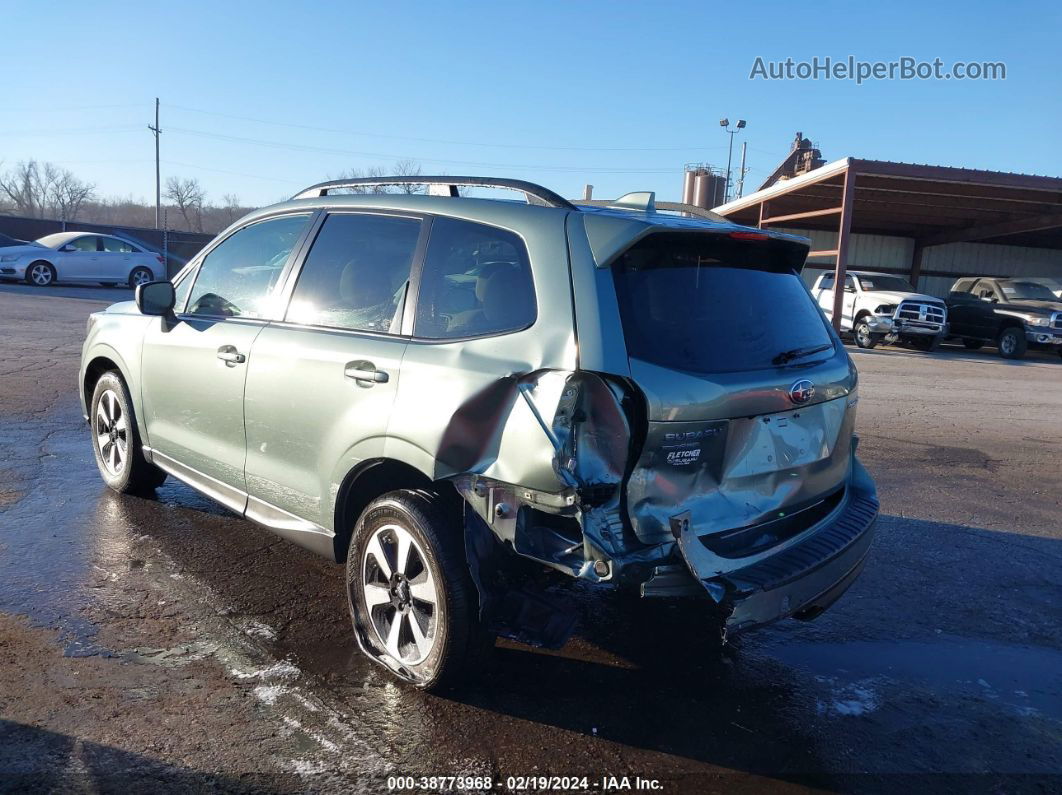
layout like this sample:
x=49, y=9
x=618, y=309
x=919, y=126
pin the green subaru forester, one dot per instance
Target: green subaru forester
x=437, y=390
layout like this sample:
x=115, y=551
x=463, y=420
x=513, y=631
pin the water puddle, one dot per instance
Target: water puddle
x=858, y=677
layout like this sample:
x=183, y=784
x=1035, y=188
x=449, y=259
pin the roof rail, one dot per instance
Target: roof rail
x=536, y=194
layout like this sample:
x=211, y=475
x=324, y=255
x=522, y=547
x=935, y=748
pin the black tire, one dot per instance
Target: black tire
x=137, y=276
x=971, y=344
x=861, y=331
x=40, y=274
x=132, y=474
x=1012, y=343
x=458, y=645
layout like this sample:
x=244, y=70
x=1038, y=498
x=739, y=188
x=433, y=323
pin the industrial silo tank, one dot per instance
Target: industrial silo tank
x=688, y=180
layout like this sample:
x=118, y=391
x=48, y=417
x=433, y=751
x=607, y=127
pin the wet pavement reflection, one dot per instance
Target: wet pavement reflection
x=641, y=688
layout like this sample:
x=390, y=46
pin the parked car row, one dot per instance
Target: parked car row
x=80, y=257
x=1013, y=315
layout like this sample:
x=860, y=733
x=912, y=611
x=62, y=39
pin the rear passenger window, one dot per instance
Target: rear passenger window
x=476, y=281
x=237, y=277
x=356, y=273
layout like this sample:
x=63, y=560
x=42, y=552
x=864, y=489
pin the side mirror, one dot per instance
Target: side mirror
x=68, y=248
x=156, y=298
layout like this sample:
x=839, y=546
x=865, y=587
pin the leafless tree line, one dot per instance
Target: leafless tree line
x=403, y=168
x=43, y=190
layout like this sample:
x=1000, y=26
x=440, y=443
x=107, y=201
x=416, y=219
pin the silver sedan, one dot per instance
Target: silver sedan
x=81, y=257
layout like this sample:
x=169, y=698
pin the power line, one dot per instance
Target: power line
x=70, y=131
x=391, y=156
x=64, y=108
x=233, y=173
x=478, y=144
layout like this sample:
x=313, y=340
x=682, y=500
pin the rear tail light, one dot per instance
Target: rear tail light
x=749, y=235
x=160, y=259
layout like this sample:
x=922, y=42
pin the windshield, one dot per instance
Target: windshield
x=711, y=304
x=52, y=241
x=878, y=281
x=1026, y=291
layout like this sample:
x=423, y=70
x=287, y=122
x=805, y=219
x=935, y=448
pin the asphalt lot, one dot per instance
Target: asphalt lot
x=151, y=644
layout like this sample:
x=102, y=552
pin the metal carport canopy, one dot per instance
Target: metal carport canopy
x=933, y=205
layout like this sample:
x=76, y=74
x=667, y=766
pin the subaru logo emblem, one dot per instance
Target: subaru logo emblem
x=802, y=391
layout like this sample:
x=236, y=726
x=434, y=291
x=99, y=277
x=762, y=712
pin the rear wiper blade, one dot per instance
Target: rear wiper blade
x=799, y=353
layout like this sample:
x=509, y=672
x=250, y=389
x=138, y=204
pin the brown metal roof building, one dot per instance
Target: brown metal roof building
x=931, y=224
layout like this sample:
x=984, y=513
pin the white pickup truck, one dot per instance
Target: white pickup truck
x=879, y=307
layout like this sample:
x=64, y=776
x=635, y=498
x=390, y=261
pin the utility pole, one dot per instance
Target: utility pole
x=157, y=131
x=741, y=171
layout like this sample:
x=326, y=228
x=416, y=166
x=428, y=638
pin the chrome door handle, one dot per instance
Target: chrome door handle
x=365, y=373
x=229, y=355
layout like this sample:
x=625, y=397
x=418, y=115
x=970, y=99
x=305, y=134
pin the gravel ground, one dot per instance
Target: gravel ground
x=167, y=644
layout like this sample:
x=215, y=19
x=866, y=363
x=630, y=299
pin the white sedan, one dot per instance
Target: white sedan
x=81, y=257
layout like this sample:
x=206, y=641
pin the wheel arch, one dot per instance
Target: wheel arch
x=102, y=359
x=363, y=484
x=1009, y=322
x=46, y=261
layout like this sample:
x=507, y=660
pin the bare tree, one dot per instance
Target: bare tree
x=189, y=197
x=403, y=168
x=231, y=210
x=42, y=189
x=67, y=193
x=408, y=168
x=23, y=189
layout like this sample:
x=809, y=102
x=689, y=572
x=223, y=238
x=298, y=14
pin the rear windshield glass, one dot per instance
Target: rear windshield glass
x=710, y=304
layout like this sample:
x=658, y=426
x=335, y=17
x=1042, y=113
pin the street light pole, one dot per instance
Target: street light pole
x=725, y=124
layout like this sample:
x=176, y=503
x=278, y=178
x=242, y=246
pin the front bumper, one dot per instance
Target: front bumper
x=1043, y=335
x=800, y=578
x=889, y=325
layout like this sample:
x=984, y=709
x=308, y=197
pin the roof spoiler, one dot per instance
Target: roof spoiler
x=646, y=202
x=536, y=194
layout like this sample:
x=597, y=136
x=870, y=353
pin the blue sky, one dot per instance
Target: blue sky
x=617, y=94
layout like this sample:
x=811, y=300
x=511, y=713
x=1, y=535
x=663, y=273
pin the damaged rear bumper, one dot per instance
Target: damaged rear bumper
x=799, y=579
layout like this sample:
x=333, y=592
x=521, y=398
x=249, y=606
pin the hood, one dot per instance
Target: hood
x=123, y=308
x=1032, y=307
x=894, y=297
x=25, y=249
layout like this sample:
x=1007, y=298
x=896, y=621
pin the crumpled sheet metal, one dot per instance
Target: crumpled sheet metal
x=579, y=420
x=726, y=474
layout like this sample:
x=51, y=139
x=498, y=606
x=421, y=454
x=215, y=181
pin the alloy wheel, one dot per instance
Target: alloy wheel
x=1007, y=344
x=141, y=276
x=863, y=335
x=400, y=594
x=41, y=275
x=112, y=432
